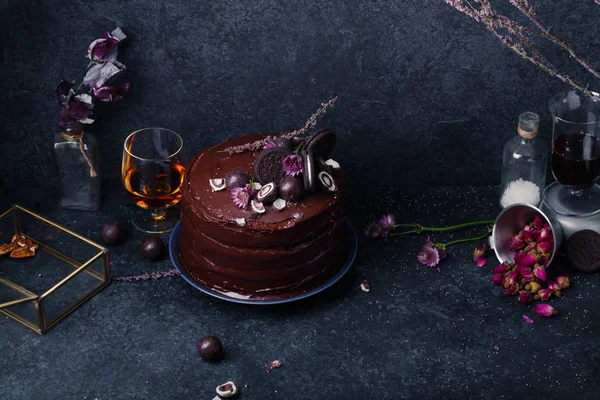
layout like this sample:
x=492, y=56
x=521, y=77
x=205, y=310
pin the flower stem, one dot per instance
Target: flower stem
x=418, y=228
x=468, y=239
x=460, y=226
x=402, y=233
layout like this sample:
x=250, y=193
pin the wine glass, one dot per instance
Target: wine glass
x=575, y=154
x=152, y=172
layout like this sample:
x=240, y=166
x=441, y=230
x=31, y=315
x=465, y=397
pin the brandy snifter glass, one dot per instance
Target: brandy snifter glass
x=152, y=173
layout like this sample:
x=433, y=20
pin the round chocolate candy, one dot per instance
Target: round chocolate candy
x=583, y=250
x=283, y=143
x=321, y=144
x=310, y=172
x=267, y=194
x=210, y=348
x=236, y=178
x=113, y=233
x=291, y=189
x=268, y=166
x=153, y=249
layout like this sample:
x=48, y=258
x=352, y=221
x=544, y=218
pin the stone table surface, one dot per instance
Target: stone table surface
x=427, y=333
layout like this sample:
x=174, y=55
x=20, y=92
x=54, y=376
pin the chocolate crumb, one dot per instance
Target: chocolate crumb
x=274, y=364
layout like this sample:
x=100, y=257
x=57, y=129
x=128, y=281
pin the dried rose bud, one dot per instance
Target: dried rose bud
x=526, y=273
x=517, y=243
x=543, y=294
x=546, y=236
x=533, y=287
x=497, y=279
x=563, y=281
x=544, y=247
x=558, y=293
x=545, y=310
x=553, y=285
x=502, y=268
x=538, y=221
x=540, y=273
x=479, y=251
x=543, y=259
x=525, y=259
x=524, y=297
x=512, y=290
x=510, y=278
x=528, y=236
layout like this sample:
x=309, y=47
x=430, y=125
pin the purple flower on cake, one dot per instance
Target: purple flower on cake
x=105, y=49
x=111, y=93
x=241, y=197
x=293, y=165
x=269, y=144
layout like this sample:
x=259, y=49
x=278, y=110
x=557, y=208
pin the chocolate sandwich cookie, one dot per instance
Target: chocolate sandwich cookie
x=583, y=251
x=268, y=166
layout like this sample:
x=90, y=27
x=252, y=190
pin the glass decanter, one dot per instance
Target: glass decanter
x=524, y=164
x=75, y=158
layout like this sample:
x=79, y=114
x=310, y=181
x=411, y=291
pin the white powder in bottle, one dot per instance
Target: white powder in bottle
x=521, y=191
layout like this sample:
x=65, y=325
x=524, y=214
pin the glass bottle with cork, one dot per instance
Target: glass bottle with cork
x=75, y=157
x=524, y=164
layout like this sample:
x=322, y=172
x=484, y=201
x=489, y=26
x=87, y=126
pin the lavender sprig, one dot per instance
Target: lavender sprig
x=260, y=144
x=516, y=37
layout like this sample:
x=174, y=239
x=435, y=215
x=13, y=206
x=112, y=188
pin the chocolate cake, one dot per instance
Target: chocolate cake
x=281, y=241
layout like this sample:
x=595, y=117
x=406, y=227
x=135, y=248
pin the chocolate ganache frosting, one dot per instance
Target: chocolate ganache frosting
x=245, y=254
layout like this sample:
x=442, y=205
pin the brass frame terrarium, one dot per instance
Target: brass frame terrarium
x=96, y=266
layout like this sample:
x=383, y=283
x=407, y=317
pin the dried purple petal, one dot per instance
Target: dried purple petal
x=112, y=93
x=528, y=320
x=64, y=92
x=100, y=74
x=75, y=111
x=480, y=261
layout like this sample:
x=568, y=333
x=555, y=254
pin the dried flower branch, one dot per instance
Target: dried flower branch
x=260, y=144
x=516, y=37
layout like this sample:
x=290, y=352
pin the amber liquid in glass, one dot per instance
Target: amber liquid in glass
x=576, y=160
x=154, y=185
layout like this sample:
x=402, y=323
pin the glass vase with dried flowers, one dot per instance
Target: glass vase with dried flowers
x=75, y=151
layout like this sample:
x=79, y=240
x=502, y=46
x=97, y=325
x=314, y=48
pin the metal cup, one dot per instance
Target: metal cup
x=510, y=221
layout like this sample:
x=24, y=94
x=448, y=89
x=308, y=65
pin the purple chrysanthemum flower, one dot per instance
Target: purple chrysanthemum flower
x=240, y=197
x=249, y=188
x=373, y=230
x=429, y=256
x=293, y=165
x=387, y=221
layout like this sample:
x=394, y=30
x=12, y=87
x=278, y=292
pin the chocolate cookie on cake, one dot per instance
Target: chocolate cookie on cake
x=265, y=222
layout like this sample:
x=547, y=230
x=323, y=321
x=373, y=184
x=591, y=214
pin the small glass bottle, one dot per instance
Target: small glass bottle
x=524, y=164
x=76, y=162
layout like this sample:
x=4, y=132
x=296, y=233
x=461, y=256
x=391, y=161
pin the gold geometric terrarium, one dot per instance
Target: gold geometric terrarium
x=66, y=271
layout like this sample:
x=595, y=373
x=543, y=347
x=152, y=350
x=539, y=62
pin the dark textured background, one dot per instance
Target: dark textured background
x=424, y=91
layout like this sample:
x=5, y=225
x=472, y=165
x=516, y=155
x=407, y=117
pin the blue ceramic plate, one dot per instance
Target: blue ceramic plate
x=352, y=247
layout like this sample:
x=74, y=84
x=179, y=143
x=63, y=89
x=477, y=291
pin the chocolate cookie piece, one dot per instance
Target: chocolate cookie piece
x=583, y=251
x=321, y=143
x=268, y=166
x=310, y=171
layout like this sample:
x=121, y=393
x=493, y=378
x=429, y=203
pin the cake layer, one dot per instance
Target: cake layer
x=270, y=254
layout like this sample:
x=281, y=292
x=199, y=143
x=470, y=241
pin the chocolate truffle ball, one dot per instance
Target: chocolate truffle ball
x=152, y=248
x=113, y=233
x=236, y=178
x=583, y=251
x=210, y=348
x=283, y=143
x=291, y=189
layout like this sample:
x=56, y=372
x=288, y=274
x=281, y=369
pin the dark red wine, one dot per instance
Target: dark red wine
x=576, y=160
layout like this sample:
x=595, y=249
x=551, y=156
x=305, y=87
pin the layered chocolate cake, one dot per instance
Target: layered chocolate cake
x=261, y=216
